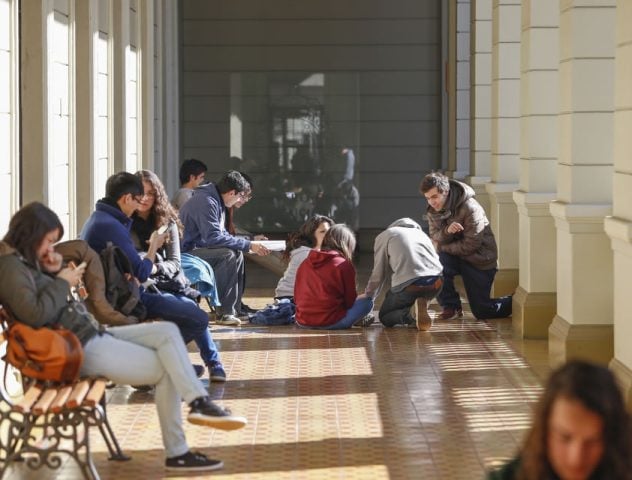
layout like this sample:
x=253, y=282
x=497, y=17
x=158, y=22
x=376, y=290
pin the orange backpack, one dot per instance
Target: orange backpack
x=53, y=354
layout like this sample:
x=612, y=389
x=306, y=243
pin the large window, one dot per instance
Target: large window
x=59, y=112
x=8, y=113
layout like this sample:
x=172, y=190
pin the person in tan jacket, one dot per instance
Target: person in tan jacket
x=466, y=246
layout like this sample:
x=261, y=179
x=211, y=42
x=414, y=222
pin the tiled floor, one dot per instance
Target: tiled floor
x=358, y=404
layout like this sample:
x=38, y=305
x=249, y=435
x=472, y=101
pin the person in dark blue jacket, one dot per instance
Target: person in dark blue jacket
x=111, y=222
x=205, y=235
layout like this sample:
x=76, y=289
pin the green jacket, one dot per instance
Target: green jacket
x=41, y=300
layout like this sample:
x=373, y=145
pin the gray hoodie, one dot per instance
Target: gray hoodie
x=405, y=253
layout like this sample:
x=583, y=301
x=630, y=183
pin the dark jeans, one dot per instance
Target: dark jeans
x=478, y=285
x=188, y=316
x=395, y=309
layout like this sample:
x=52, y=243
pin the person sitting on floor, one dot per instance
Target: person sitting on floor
x=110, y=222
x=299, y=244
x=36, y=289
x=325, y=288
x=405, y=253
x=581, y=430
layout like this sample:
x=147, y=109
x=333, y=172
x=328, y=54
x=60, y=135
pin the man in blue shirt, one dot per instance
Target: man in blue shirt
x=205, y=235
x=111, y=222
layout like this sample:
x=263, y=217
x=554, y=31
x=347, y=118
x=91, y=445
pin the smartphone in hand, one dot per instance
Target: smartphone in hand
x=164, y=228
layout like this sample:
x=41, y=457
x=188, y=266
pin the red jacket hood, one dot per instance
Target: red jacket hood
x=320, y=258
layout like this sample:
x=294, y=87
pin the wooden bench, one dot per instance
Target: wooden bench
x=50, y=421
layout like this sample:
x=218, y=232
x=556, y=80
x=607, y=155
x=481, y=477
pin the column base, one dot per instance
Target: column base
x=532, y=313
x=505, y=282
x=588, y=342
x=624, y=378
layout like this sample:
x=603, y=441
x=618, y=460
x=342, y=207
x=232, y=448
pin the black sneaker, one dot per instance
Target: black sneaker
x=246, y=310
x=365, y=321
x=208, y=414
x=193, y=461
x=199, y=369
x=216, y=372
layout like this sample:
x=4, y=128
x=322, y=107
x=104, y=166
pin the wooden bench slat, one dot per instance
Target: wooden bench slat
x=29, y=398
x=62, y=395
x=45, y=401
x=79, y=392
x=96, y=392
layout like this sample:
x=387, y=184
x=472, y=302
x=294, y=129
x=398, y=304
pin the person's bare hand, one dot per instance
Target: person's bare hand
x=259, y=249
x=157, y=240
x=455, y=227
x=72, y=274
x=260, y=237
x=51, y=262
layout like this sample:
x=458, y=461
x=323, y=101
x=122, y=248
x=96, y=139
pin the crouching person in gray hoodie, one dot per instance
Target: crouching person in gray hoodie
x=405, y=254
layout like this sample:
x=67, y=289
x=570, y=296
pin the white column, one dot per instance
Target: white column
x=505, y=139
x=120, y=74
x=34, y=98
x=86, y=26
x=462, y=146
x=147, y=85
x=534, y=304
x=480, y=99
x=619, y=225
x=171, y=95
x=583, y=325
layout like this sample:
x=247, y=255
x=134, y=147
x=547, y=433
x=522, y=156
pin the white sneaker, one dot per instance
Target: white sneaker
x=230, y=320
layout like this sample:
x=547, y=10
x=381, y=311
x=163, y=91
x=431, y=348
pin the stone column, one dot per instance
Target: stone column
x=120, y=47
x=34, y=98
x=583, y=326
x=619, y=225
x=534, y=304
x=86, y=25
x=147, y=84
x=462, y=89
x=172, y=152
x=480, y=99
x=505, y=140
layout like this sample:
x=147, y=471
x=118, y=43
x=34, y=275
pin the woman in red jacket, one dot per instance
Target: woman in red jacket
x=325, y=289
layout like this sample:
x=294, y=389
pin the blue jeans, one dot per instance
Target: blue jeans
x=395, y=309
x=478, y=285
x=149, y=354
x=188, y=316
x=360, y=308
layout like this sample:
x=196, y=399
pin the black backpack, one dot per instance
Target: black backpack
x=121, y=288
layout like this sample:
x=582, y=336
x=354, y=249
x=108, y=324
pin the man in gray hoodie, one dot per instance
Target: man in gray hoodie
x=405, y=254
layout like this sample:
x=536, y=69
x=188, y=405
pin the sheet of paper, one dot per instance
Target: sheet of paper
x=273, y=245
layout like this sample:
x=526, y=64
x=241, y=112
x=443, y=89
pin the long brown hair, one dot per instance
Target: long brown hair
x=341, y=238
x=29, y=226
x=305, y=235
x=596, y=389
x=162, y=211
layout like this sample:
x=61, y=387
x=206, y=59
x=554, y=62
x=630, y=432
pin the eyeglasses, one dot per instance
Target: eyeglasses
x=245, y=195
